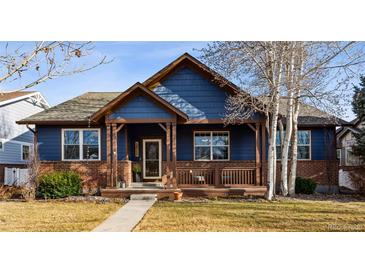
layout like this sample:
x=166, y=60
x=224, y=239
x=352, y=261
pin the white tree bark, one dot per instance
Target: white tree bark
x=294, y=150
x=290, y=79
x=276, y=71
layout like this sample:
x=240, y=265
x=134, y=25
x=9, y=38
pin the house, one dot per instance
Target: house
x=171, y=125
x=16, y=141
x=351, y=167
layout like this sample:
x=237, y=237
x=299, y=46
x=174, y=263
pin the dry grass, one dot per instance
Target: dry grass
x=53, y=216
x=289, y=215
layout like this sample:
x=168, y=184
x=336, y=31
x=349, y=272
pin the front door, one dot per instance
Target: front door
x=152, y=158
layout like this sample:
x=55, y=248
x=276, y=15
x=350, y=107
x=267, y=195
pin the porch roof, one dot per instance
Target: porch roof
x=136, y=89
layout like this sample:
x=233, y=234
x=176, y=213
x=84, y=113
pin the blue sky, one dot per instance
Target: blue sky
x=133, y=62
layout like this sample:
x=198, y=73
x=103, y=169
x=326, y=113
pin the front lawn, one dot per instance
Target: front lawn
x=53, y=216
x=260, y=215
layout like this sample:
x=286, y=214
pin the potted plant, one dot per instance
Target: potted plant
x=137, y=172
x=178, y=195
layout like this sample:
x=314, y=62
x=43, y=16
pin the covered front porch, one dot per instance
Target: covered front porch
x=154, y=147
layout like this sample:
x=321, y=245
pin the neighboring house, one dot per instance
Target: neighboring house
x=171, y=125
x=351, y=169
x=16, y=141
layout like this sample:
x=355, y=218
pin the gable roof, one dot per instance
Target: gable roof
x=129, y=92
x=6, y=96
x=187, y=59
x=309, y=115
x=76, y=110
x=353, y=127
x=14, y=96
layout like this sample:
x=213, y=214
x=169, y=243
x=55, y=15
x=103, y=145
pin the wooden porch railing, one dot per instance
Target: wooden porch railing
x=204, y=177
x=238, y=176
x=198, y=177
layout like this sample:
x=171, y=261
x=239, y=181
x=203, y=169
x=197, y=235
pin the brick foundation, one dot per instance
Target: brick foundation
x=93, y=173
x=322, y=171
x=3, y=166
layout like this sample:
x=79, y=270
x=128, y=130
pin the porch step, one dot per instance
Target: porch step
x=143, y=197
x=147, y=185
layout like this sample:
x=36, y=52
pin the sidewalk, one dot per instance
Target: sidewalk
x=126, y=218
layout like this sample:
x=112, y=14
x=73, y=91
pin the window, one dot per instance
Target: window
x=1, y=146
x=211, y=145
x=350, y=158
x=25, y=152
x=338, y=154
x=303, y=147
x=81, y=144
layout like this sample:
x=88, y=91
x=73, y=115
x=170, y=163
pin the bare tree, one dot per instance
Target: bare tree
x=31, y=64
x=41, y=61
x=259, y=67
x=315, y=73
x=318, y=74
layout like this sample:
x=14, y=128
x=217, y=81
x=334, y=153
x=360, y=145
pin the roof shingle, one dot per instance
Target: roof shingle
x=78, y=109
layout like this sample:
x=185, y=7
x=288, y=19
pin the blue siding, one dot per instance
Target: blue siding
x=50, y=143
x=323, y=143
x=27, y=137
x=121, y=144
x=242, y=140
x=192, y=93
x=12, y=153
x=140, y=107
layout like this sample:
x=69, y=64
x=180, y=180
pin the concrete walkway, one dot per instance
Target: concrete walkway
x=127, y=217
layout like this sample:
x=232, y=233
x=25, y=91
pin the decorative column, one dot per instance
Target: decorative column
x=108, y=158
x=126, y=143
x=174, y=154
x=168, y=153
x=115, y=155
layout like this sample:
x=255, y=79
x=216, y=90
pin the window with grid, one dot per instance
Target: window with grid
x=25, y=152
x=211, y=145
x=303, y=147
x=81, y=144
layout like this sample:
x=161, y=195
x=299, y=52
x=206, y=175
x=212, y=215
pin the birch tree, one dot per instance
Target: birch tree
x=318, y=74
x=314, y=73
x=258, y=66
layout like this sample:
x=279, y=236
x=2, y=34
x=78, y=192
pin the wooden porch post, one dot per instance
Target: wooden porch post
x=174, y=154
x=108, y=158
x=126, y=143
x=168, y=153
x=258, y=158
x=115, y=155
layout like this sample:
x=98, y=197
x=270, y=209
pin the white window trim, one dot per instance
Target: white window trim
x=81, y=140
x=21, y=151
x=308, y=145
x=211, y=145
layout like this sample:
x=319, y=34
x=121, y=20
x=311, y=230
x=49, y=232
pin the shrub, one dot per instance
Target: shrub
x=305, y=185
x=58, y=185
